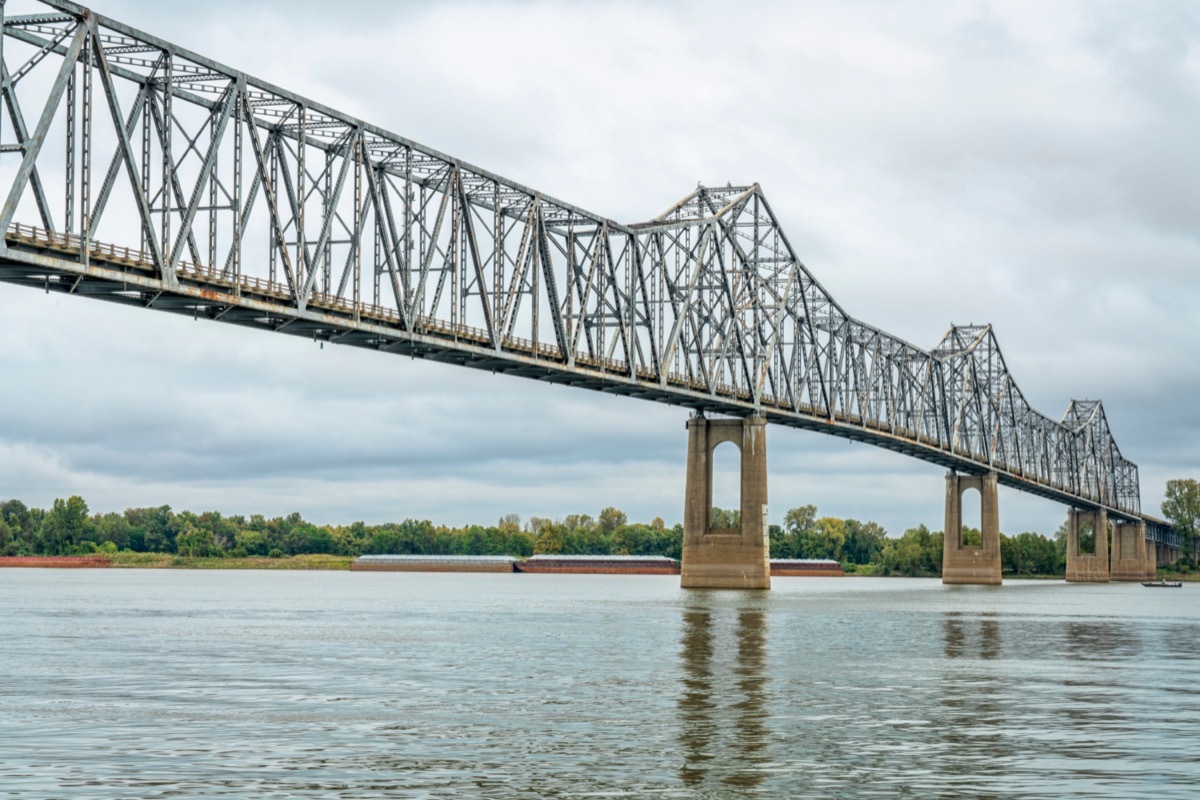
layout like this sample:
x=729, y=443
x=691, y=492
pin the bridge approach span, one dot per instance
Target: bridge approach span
x=138, y=172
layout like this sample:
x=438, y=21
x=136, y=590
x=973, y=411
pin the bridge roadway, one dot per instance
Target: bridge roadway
x=237, y=201
x=51, y=262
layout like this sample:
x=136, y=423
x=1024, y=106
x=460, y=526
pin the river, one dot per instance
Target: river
x=224, y=684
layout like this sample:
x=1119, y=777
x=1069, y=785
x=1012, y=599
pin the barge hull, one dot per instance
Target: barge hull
x=598, y=569
x=400, y=567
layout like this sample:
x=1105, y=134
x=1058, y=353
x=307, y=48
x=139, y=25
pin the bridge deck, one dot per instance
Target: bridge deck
x=54, y=262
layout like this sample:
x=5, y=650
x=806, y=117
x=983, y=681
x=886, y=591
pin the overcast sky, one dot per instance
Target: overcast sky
x=1033, y=165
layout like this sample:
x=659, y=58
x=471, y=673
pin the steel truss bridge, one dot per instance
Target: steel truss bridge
x=138, y=172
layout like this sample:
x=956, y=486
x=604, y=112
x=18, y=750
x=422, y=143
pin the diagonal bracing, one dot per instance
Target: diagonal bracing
x=226, y=197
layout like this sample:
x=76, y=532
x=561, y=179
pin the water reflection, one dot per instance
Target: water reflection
x=965, y=637
x=971, y=711
x=1091, y=640
x=695, y=704
x=723, y=706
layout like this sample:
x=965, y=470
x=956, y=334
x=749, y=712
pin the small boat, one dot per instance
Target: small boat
x=1163, y=583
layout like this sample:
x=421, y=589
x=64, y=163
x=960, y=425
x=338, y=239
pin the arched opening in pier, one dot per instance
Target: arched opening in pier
x=972, y=519
x=726, y=486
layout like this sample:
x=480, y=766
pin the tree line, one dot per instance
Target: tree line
x=68, y=528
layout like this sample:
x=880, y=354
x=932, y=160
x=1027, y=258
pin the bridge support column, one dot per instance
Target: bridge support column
x=726, y=558
x=971, y=565
x=1129, y=551
x=1087, y=567
x=1150, y=559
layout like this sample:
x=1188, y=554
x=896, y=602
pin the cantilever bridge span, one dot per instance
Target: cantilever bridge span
x=138, y=172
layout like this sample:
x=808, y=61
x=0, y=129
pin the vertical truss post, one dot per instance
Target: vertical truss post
x=85, y=154
x=72, y=143
x=379, y=266
x=212, y=188
x=146, y=152
x=239, y=121
x=497, y=265
x=302, y=262
x=406, y=269
x=328, y=210
x=166, y=135
x=359, y=218
x=276, y=229
x=458, y=298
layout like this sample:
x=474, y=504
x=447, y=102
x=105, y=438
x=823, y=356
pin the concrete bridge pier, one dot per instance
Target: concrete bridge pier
x=1150, y=565
x=726, y=558
x=1129, y=554
x=971, y=565
x=1087, y=567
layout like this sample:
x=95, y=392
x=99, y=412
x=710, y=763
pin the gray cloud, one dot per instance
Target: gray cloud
x=1025, y=164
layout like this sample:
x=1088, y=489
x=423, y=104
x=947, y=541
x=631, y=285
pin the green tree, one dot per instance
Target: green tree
x=152, y=530
x=726, y=517
x=519, y=544
x=351, y=541
x=251, y=542
x=22, y=527
x=551, y=540
x=590, y=541
x=828, y=539
x=112, y=527
x=1181, y=507
x=798, y=525
x=575, y=521
x=916, y=553
x=193, y=542
x=639, y=540
x=612, y=518
x=1031, y=553
x=864, y=542
x=66, y=526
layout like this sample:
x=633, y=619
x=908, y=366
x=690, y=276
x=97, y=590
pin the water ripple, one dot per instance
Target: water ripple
x=305, y=685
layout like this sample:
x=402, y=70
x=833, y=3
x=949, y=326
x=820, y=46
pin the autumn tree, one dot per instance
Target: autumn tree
x=612, y=518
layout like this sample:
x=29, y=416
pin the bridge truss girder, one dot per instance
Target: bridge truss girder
x=139, y=172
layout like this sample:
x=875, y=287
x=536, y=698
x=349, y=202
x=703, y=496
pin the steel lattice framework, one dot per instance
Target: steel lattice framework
x=138, y=172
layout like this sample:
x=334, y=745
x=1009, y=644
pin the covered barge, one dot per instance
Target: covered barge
x=602, y=565
x=422, y=563
x=806, y=567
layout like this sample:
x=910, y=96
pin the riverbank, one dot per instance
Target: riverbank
x=169, y=561
x=131, y=560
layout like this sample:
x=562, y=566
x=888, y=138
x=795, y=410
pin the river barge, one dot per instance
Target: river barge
x=420, y=563
x=600, y=565
x=56, y=562
x=806, y=567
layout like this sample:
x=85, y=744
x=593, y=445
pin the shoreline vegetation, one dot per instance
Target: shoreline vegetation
x=160, y=538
